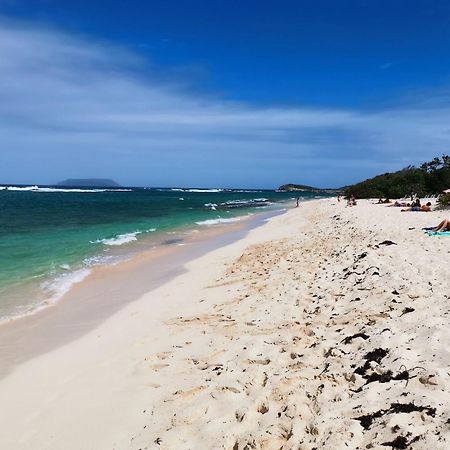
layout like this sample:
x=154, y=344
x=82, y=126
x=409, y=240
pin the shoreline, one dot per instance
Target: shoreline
x=84, y=306
x=48, y=290
x=49, y=254
x=310, y=332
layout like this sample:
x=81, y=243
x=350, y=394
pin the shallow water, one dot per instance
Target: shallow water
x=51, y=237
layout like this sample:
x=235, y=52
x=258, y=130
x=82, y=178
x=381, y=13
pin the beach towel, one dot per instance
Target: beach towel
x=438, y=233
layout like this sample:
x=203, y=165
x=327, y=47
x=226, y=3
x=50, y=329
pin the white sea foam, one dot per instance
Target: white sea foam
x=110, y=260
x=121, y=239
x=70, y=190
x=81, y=190
x=208, y=190
x=53, y=289
x=20, y=188
x=63, y=283
x=194, y=190
x=212, y=206
x=218, y=221
x=204, y=190
x=244, y=203
x=46, y=189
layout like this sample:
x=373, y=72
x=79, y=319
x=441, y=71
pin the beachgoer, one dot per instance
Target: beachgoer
x=416, y=206
x=298, y=202
x=443, y=226
x=424, y=208
x=397, y=204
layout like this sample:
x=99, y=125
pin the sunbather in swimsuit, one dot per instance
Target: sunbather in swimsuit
x=443, y=226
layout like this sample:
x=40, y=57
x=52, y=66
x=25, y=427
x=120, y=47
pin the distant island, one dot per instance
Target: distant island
x=304, y=188
x=89, y=182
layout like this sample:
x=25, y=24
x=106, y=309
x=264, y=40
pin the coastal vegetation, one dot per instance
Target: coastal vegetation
x=430, y=178
x=444, y=200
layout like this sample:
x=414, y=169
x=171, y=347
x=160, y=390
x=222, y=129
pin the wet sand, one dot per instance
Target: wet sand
x=110, y=287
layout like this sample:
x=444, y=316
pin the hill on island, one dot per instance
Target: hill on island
x=305, y=188
x=431, y=178
x=89, y=182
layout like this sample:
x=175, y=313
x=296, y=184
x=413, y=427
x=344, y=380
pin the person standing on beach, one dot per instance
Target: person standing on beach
x=298, y=202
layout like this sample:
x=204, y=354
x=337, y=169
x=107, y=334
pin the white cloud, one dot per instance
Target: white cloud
x=72, y=107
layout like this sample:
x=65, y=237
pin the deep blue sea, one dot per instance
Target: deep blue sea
x=50, y=237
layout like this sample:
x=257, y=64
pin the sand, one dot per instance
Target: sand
x=312, y=332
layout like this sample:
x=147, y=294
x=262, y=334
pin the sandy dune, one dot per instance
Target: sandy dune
x=326, y=328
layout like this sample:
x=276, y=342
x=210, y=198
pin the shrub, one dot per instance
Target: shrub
x=444, y=200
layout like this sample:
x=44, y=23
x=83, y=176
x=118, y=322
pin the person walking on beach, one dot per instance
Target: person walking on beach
x=351, y=200
x=298, y=202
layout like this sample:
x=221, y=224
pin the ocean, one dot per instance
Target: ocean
x=50, y=238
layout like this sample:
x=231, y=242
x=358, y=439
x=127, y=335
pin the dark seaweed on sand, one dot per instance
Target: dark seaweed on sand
x=367, y=420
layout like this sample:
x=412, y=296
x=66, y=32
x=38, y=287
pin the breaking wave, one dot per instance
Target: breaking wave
x=217, y=221
x=121, y=239
x=36, y=188
x=63, y=283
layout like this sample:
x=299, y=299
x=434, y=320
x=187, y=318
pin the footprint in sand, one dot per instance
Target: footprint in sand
x=240, y=414
x=159, y=366
x=164, y=355
x=263, y=362
x=263, y=408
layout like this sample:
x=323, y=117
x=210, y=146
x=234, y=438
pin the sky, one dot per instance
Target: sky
x=220, y=93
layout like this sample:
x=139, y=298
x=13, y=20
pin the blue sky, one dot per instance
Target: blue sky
x=216, y=93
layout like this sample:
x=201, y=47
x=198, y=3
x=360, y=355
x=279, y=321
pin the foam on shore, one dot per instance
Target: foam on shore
x=122, y=239
x=218, y=221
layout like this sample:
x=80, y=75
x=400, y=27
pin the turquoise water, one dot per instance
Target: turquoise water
x=50, y=237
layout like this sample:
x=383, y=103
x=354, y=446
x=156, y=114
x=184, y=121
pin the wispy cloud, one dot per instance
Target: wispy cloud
x=71, y=106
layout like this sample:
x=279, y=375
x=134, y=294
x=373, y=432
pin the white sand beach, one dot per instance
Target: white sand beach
x=325, y=328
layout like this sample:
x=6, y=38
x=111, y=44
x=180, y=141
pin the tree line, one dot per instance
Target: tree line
x=430, y=178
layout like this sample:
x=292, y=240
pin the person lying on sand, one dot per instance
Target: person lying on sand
x=397, y=204
x=443, y=226
x=423, y=208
